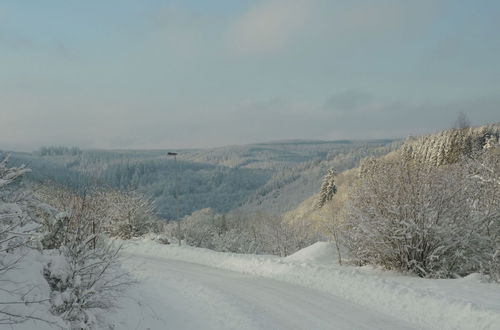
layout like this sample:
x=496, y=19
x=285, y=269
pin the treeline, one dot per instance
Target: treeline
x=59, y=151
x=449, y=146
x=280, y=155
x=44, y=169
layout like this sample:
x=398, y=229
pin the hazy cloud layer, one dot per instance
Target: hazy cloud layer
x=271, y=25
x=128, y=74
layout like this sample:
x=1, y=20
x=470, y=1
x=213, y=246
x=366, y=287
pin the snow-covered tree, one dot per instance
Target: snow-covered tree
x=328, y=188
x=333, y=211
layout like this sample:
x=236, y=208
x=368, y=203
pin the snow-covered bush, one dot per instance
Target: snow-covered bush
x=9, y=174
x=283, y=238
x=484, y=189
x=236, y=241
x=198, y=229
x=128, y=214
x=56, y=228
x=84, y=280
x=256, y=233
x=84, y=276
x=62, y=212
x=16, y=228
x=118, y=214
x=432, y=221
x=492, y=267
x=411, y=217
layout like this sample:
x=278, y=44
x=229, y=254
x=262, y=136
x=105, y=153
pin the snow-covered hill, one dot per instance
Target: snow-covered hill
x=436, y=149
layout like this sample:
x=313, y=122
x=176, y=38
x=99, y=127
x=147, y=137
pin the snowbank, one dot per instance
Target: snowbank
x=320, y=252
x=434, y=304
x=28, y=293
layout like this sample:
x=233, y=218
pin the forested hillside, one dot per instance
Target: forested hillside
x=290, y=186
x=271, y=177
x=431, y=207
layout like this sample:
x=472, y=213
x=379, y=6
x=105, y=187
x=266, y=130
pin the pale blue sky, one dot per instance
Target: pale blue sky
x=193, y=73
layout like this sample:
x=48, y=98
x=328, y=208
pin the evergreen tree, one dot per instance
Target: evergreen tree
x=328, y=188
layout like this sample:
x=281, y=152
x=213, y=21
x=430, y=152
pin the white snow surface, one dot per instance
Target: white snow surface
x=319, y=252
x=25, y=284
x=192, y=288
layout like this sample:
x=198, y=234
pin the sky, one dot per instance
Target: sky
x=151, y=74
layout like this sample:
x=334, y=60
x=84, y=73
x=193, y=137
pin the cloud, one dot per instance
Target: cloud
x=263, y=70
x=14, y=42
x=351, y=100
x=353, y=114
x=270, y=25
x=371, y=18
x=26, y=123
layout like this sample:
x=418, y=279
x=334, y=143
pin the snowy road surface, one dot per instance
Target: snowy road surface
x=179, y=295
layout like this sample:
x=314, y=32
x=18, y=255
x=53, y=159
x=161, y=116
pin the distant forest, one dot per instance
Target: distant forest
x=223, y=179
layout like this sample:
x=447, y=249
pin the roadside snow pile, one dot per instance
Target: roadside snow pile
x=25, y=292
x=320, y=252
x=433, y=304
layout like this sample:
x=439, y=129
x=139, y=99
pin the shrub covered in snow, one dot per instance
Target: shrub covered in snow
x=256, y=233
x=84, y=277
x=433, y=221
x=118, y=214
x=16, y=229
x=128, y=214
x=484, y=191
x=84, y=280
x=11, y=215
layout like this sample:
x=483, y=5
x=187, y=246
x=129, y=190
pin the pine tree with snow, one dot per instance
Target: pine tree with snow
x=328, y=188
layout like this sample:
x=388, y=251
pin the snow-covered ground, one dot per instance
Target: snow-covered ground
x=181, y=295
x=24, y=284
x=190, y=288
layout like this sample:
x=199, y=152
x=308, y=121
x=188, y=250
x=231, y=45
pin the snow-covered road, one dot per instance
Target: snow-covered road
x=179, y=295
